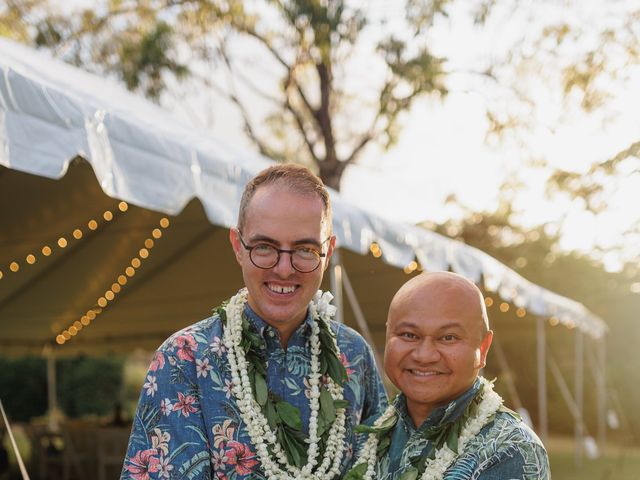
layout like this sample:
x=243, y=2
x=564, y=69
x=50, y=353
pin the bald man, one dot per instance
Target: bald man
x=447, y=421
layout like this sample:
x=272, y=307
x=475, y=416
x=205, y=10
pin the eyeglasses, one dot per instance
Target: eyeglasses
x=265, y=256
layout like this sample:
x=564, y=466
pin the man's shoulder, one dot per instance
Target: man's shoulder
x=508, y=448
x=512, y=430
x=203, y=332
x=347, y=336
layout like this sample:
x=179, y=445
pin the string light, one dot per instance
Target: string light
x=553, y=321
x=411, y=267
x=488, y=301
x=1, y=274
x=375, y=250
x=62, y=241
x=521, y=312
x=116, y=287
x=504, y=307
x=108, y=216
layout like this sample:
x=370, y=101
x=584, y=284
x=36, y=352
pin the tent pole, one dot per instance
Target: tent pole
x=335, y=277
x=52, y=394
x=507, y=374
x=360, y=319
x=543, y=420
x=602, y=392
x=579, y=395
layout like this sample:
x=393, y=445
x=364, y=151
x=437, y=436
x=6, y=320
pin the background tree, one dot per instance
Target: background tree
x=310, y=44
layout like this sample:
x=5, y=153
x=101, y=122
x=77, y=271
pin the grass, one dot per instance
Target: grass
x=616, y=462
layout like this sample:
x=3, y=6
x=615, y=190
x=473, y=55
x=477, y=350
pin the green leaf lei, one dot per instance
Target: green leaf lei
x=438, y=435
x=285, y=419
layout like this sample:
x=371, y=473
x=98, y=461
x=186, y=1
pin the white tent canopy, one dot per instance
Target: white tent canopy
x=51, y=113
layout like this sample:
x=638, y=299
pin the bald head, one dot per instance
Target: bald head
x=449, y=288
x=438, y=338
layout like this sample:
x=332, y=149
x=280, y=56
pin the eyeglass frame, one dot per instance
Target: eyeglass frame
x=280, y=251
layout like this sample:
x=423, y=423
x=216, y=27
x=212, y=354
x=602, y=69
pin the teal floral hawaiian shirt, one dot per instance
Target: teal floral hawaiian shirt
x=506, y=448
x=187, y=425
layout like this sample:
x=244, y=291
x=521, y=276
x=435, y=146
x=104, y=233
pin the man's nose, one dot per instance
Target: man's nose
x=283, y=267
x=426, y=351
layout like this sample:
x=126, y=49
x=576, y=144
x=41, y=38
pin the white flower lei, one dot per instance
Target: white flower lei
x=444, y=457
x=257, y=425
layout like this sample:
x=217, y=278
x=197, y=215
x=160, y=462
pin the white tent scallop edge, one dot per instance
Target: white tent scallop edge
x=51, y=112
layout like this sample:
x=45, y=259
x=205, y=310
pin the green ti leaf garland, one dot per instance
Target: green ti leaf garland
x=284, y=418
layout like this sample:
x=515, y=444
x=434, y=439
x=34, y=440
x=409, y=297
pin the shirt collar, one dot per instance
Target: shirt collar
x=444, y=414
x=263, y=327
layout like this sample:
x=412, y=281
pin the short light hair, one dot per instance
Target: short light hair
x=297, y=178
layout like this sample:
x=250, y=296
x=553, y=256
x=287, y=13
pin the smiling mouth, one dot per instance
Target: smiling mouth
x=280, y=289
x=421, y=373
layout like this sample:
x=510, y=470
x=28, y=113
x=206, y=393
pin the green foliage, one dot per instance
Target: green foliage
x=88, y=385
x=84, y=386
x=23, y=387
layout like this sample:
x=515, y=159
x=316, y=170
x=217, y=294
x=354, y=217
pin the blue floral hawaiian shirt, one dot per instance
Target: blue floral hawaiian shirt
x=187, y=425
x=506, y=448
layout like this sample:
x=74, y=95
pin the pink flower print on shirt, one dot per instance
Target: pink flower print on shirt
x=346, y=364
x=158, y=362
x=203, y=367
x=166, y=407
x=150, y=385
x=242, y=457
x=143, y=463
x=217, y=346
x=185, y=404
x=185, y=346
x=218, y=460
x=164, y=468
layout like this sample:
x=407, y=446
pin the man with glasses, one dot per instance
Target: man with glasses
x=269, y=386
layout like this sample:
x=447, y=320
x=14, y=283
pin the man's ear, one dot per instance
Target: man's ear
x=485, y=345
x=238, y=249
x=332, y=246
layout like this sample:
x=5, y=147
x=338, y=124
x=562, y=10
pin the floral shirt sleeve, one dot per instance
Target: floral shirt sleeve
x=187, y=424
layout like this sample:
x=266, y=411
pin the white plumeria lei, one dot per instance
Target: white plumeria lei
x=444, y=457
x=257, y=425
